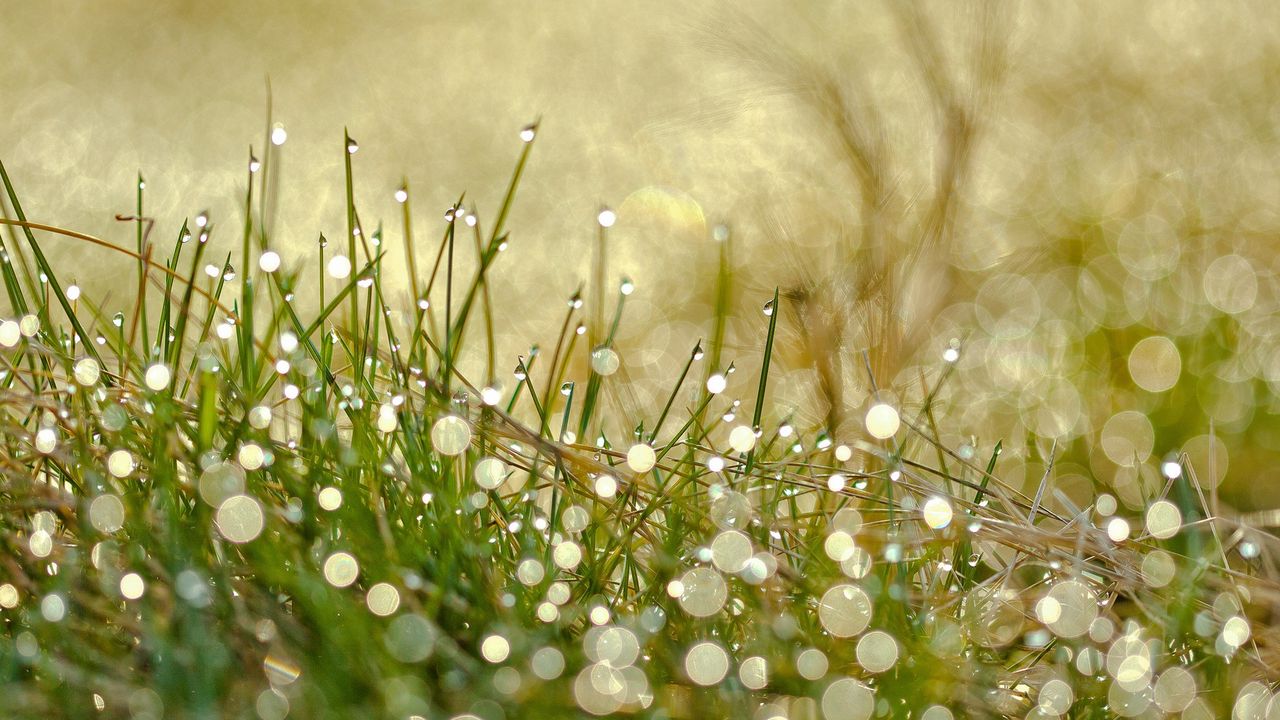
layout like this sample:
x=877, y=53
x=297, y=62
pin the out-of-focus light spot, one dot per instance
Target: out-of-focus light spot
x=882, y=421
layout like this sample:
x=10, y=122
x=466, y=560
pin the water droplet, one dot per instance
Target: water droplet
x=120, y=463
x=716, y=384
x=882, y=421
x=706, y=663
x=339, y=267
x=239, y=519
x=1163, y=520
x=877, y=651
x=157, y=377
x=451, y=435
x=341, y=569
x=132, y=586
x=742, y=439
x=491, y=394
x=383, y=599
x=605, y=361
x=490, y=473
x=845, y=610
x=269, y=261
x=641, y=458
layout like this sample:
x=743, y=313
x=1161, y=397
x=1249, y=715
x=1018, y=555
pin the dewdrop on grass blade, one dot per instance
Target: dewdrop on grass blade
x=10, y=333
x=877, y=651
x=46, y=440
x=937, y=513
x=742, y=439
x=382, y=599
x=260, y=417
x=605, y=361
x=239, y=519
x=341, y=569
x=1163, y=519
x=706, y=663
x=641, y=458
x=1118, y=529
x=251, y=456
x=120, y=463
x=87, y=371
x=882, y=421
x=132, y=586
x=40, y=543
x=606, y=486
x=339, y=267
x=490, y=473
x=451, y=435
x=269, y=261
x=716, y=384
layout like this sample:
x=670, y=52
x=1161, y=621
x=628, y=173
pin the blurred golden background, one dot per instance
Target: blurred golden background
x=1083, y=196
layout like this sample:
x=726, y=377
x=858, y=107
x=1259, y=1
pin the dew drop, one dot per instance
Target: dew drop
x=451, y=435
x=341, y=569
x=882, y=421
x=339, y=267
x=269, y=261
x=706, y=663
x=383, y=600
x=716, y=384
x=641, y=458
x=937, y=513
x=239, y=519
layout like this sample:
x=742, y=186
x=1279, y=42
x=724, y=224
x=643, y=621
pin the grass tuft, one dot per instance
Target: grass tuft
x=228, y=507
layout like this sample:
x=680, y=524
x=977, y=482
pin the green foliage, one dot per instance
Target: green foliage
x=241, y=510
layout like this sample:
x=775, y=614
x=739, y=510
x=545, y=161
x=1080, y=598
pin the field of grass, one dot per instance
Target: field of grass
x=218, y=502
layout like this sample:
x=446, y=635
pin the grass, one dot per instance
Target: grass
x=214, y=504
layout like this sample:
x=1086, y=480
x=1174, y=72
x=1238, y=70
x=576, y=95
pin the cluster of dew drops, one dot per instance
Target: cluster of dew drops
x=1142, y=680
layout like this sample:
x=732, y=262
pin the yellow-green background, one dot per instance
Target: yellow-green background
x=1119, y=137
